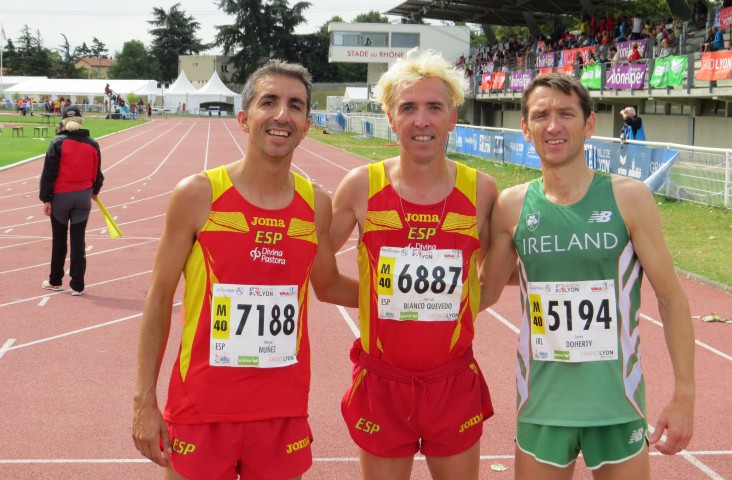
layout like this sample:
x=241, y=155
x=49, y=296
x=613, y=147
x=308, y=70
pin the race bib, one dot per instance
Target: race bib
x=573, y=321
x=420, y=285
x=253, y=326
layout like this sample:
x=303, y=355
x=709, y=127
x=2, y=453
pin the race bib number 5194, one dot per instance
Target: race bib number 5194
x=573, y=321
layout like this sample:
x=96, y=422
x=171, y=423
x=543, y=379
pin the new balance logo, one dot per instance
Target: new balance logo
x=636, y=436
x=600, y=217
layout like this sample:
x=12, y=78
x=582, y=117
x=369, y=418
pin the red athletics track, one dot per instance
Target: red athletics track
x=67, y=364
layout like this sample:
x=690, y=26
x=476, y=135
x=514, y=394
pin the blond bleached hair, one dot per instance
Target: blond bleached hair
x=71, y=124
x=418, y=65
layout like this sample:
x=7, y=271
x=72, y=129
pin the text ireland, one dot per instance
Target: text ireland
x=575, y=242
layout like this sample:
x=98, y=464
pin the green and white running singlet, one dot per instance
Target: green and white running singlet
x=579, y=361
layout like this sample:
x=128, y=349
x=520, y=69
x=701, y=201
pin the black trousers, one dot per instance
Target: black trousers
x=59, y=250
x=73, y=209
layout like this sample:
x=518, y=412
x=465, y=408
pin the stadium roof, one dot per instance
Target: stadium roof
x=490, y=12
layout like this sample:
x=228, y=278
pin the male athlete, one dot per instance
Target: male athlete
x=583, y=240
x=423, y=223
x=248, y=237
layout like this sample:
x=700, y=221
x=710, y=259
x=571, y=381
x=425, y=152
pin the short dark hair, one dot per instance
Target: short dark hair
x=277, y=67
x=558, y=81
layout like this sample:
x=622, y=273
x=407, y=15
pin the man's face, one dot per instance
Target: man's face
x=556, y=125
x=423, y=119
x=276, y=119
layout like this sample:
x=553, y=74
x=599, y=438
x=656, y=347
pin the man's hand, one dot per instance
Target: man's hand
x=677, y=423
x=148, y=429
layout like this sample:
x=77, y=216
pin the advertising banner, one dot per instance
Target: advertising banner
x=715, y=66
x=634, y=161
x=669, y=72
x=626, y=77
x=591, y=77
x=519, y=80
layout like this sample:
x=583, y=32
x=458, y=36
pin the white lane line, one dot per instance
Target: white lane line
x=503, y=320
x=419, y=458
x=6, y=346
x=349, y=321
x=701, y=344
x=689, y=457
x=22, y=300
x=44, y=301
x=82, y=330
x=8, y=230
x=125, y=247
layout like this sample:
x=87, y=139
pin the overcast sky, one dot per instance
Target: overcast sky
x=114, y=22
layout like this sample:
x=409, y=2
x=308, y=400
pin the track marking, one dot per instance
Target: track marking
x=419, y=458
x=6, y=346
x=23, y=300
x=689, y=457
x=701, y=344
x=44, y=301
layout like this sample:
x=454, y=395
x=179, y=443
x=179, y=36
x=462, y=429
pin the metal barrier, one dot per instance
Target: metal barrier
x=695, y=174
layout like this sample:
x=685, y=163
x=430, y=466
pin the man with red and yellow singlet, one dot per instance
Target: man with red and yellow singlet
x=423, y=225
x=248, y=237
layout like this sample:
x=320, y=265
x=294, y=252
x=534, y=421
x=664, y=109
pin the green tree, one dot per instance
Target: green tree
x=64, y=66
x=31, y=57
x=372, y=16
x=261, y=30
x=135, y=62
x=82, y=51
x=98, y=49
x=174, y=35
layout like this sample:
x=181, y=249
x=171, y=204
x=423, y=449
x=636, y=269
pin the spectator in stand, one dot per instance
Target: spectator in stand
x=635, y=54
x=614, y=56
x=665, y=50
x=636, y=25
x=700, y=14
x=706, y=45
x=718, y=43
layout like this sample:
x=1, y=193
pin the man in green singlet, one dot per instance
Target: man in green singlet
x=583, y=240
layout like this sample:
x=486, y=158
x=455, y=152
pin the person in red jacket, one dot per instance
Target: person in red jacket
x=71, y=179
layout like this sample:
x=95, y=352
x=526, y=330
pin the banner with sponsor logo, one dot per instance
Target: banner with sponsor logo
x=715, y=66
x=635, y=161
x=724, y=18
x=669, y=72
x=519, y=80
x=626, y=77
x=499, y=81
x=485, y=83
x=545, y=60
x=591, y=77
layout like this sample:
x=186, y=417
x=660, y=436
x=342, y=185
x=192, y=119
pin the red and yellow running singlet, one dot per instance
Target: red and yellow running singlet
x=418, y=276
x=245, y=352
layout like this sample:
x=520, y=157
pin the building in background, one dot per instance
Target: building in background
x=199, y=68
x=94, y=67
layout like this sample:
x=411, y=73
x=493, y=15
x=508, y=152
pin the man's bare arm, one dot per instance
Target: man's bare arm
x=328, y=283
x=646, y=232
x=500, y=262
x=187, y=212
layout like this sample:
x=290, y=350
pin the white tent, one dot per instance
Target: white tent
x=80, y=88
x=215, y=92
x=179, y=93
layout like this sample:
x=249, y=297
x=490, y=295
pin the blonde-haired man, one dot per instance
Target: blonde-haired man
x=423, y=225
